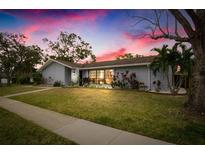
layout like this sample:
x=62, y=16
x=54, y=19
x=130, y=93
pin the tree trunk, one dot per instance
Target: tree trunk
x=196, y=98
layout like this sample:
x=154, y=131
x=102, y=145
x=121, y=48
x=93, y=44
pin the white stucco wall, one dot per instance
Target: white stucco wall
x=160, y=76
x=142, y=73
x=75, y=75
x=145, y=74
x=54, y=72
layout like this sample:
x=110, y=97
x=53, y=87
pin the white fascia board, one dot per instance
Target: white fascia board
x=61, y=63
x=115, y=66
x=49, y=61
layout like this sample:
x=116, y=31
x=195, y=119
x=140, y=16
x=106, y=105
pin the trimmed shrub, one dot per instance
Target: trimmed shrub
x=37, y=78
x=125, y=80
x=57, y=84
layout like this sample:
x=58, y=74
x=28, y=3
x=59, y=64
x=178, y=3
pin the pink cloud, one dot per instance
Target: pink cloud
x=41, y=20
x=30, y=29
x=134, y=45
x=141, y=45
x=111, y=55
x=143, y=41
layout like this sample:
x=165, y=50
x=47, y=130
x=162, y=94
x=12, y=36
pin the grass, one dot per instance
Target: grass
x=153, y=115
x=7, y=90
x=15, y=130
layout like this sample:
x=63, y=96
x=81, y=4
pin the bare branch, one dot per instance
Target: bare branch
x=171, y=37
x=193, y=17
x=158, y=21
x=137, y=22
x=145, y=19
x=176, y=27
x=167, y=26
x=183, y=21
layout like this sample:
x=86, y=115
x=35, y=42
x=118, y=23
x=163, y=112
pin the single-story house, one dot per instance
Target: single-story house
x=102, y=73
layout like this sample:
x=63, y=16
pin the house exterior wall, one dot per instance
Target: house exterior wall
x=160, y=76
x=57, y=72
x=67, y=75
x=142, y=73
x=75, y=75
x=145, y=74
x=54, y=72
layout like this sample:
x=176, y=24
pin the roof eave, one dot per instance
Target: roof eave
x=115, y=66
x=49, y=61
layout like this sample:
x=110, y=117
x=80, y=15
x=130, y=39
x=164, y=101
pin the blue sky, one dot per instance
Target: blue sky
x=110, y=32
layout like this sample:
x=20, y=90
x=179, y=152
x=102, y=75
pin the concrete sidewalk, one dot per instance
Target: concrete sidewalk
x=77, y=130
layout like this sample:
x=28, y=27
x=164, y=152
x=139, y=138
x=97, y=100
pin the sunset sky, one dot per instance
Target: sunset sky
x=110, y=32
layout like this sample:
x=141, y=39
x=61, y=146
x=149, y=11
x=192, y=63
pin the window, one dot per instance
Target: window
x=92, y=76
x=100, y=76
x=109, y=76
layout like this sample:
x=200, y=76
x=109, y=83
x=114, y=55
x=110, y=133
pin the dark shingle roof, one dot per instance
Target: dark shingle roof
x=139, y=60
x=70, y=63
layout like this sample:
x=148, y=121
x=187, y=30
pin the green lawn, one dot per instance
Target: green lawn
x=15, y=130
x=7, y=90
x=153, y=115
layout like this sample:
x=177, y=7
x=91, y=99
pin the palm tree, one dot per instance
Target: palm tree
x=161, y=62
x=186, y=62
x=170, y=60
x=174, y=58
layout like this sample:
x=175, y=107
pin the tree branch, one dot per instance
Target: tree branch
x=176, y=27
x=183, y=21
x=171, y=37
x=158, y=21
x=193, y=16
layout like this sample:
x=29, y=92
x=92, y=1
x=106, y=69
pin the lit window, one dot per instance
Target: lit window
x=100, y=76
x=109, y=76
x=92, y=76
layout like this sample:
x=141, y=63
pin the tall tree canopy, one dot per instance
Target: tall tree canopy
x=70, y=47
x=192, y=23
x=17, y=58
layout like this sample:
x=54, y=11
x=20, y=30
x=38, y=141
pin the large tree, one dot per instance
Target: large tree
x=15, y=57
x=27, y=59
x=192, y=22
x=70, y=47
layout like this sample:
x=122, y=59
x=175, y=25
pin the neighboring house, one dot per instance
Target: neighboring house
x=3, y=79
x=102, y=73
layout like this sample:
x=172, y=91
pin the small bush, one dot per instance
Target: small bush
x=73, y=84
x=37, y=78
x=23, y=80
x=85, y=82
x=157, y=85
x=57, y=84
x=125, y=80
